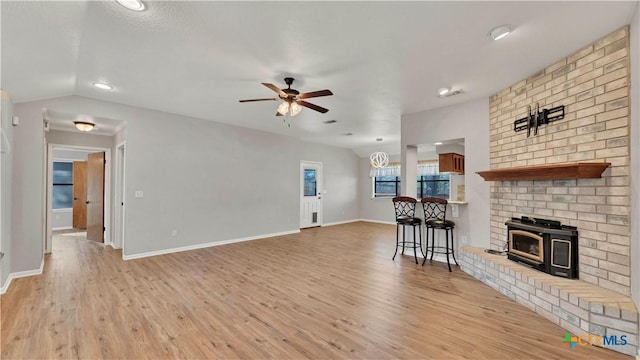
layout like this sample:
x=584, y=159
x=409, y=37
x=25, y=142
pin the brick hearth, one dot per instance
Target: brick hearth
x=575, y=305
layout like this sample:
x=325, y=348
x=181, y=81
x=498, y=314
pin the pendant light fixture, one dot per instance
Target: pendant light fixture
x=379, y=159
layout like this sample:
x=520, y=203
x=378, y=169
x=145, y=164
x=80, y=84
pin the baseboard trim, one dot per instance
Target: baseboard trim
x=62, y=228
x=340, y=222
x=21, y=274
x=378, y=221
x=205, y=245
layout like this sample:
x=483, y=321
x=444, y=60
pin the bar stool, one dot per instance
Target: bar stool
x=405, y=207
x=435, y=217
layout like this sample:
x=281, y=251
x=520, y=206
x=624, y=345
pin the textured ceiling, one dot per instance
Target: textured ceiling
x=380, y=59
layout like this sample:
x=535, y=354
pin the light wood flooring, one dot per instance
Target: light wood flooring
x=326, y=293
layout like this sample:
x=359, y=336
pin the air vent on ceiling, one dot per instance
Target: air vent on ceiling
x=330, y=121
x=452, y=93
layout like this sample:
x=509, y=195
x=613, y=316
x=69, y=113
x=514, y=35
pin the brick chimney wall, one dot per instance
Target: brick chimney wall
x=593, y=85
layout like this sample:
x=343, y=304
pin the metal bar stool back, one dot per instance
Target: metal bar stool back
x=405, y=208
x=435, y=217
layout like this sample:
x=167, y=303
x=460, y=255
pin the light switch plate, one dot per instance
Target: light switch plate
x=139, y=193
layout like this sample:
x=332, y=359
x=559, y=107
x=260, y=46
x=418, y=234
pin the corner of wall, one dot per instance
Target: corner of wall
x=6, y=115
x=634, y=33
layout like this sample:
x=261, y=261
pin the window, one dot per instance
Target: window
x=310, y=182
x=62, y=185
x=430, y=183
x=386, y=186
x=433, y=186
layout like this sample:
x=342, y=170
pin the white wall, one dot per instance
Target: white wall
x=27, y=203
x=79, y=139
x=67, y=155
x=471, y=122
x=210, y=181
x=62, y=219
x=340, y=177
x=6, y=112
x=373, y=209
x=635, y=155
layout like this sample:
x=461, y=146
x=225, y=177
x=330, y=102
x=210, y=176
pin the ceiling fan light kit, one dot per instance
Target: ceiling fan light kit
x=283, y=109
x=292, y=99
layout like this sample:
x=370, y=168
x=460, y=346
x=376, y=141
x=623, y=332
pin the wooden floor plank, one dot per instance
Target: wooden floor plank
x=326, y=293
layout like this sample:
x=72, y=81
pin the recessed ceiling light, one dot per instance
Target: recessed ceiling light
x=103, y=86
x=443, y=91
x=500, y=32
x=135, y=5
x=437, y=143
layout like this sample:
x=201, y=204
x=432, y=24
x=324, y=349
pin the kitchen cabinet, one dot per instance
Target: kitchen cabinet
x=451, y=162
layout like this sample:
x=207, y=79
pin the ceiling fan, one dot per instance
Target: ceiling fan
x=292, y=100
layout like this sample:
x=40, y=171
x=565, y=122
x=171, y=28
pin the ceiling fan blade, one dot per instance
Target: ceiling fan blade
x=266, y=99
x=313, y=106
x=313, y=94
x=275, y=89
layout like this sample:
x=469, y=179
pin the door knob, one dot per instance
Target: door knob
x=86, y=202
x=75, y=198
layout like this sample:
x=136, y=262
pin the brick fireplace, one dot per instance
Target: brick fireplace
x=593, y=85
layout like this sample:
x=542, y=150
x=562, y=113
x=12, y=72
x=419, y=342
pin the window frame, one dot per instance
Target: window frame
x=421, y=180
x=398, y=185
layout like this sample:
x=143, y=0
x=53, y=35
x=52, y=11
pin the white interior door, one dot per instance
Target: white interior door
x=310, y=194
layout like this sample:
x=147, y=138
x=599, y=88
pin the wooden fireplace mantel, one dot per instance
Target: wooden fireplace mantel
x=577, y=170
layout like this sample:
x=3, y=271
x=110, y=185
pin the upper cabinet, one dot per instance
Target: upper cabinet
x=451, y=162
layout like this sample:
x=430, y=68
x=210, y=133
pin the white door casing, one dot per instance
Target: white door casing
x=310, y=194
x=118, y=234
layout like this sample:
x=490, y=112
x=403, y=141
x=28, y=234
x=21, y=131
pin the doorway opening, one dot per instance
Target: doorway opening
x=78, y=193
x=311, y=192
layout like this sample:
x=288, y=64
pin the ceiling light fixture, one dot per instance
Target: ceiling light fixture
x=84, y=126
x=290, y=107
x=135, y=5
x=500, y=32
x=379, y=159
x=103, y=86
x=437, y=143
x=443, y=91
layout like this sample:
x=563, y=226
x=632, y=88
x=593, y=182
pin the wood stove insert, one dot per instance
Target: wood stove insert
x=545, y=245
